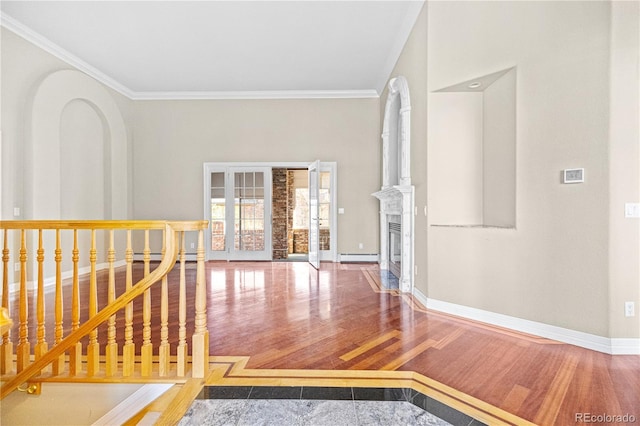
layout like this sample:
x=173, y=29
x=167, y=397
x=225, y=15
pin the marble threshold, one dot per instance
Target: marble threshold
x=319, y=406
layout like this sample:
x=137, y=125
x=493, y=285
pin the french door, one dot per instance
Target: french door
x=239, y=213
x=314, y=214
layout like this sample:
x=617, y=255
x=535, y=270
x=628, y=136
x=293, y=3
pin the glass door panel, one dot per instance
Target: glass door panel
x=218, y=207
x=324, y=204
x=238, y=209
x=251, y=200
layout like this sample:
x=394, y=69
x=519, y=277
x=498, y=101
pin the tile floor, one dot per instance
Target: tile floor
x=318, y=406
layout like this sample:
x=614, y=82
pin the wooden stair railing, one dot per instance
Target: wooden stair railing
x=173, y=246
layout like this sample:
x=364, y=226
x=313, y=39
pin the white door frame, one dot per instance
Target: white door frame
x=314, y=214
x=330, y=255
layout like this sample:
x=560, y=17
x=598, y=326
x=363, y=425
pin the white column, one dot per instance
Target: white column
x=406, y=279
x=384, y=237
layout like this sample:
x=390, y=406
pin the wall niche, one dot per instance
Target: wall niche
x=473, y=142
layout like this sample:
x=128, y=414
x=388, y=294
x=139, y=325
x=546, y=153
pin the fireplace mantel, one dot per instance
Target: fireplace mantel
x=398, y=201
x=391, y=197
x=397, y=193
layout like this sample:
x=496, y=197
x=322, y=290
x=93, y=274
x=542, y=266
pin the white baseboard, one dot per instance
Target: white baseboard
x=612, y=346
x=51, y=281
x=625, y=346
x=364, y=258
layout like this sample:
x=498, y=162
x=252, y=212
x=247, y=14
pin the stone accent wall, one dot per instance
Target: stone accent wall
x=286, y=240
x=291, y=194
x=300, y=241
x=279, y=214
x=324, y=239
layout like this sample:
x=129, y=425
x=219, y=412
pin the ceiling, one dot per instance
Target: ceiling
x=223, y=49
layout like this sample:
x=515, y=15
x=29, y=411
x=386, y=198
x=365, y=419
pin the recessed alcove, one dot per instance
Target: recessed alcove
x=472, y=137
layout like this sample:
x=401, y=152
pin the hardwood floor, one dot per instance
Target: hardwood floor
x=285, y=315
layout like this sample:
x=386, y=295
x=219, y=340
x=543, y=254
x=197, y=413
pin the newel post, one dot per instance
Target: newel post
x=200, y=355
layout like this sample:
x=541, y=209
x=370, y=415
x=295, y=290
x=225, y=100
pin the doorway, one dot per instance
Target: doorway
x=239, y=213
x=260, y=211
x=292, y=208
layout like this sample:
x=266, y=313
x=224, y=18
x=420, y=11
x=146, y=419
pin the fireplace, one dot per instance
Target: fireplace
x=396, y=233
x=397, y=195
x=395, y=249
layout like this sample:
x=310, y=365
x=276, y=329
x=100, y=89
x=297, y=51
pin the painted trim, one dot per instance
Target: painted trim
x=232, y=371
x=625, y=346
x=612, y=346
x=255, y=95
x=353, y=257
x=48, y=46
x=132, y=405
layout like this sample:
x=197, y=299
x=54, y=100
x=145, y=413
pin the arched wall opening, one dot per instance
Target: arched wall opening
x=75, y=159
x=62, y=99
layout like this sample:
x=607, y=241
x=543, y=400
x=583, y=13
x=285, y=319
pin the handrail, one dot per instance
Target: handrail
x=167, y=263
x=189, y=225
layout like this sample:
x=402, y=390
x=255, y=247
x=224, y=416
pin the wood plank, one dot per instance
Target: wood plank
x=278, y=315
x=370, y=345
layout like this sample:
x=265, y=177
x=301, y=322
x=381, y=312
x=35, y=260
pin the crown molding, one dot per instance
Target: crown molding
x=45, y=44
x=48, y=46
x=242, y=95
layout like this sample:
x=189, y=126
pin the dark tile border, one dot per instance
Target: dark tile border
x=327, y=393
x=418, y=399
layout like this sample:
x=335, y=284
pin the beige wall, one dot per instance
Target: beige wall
x=24, y=68
x=50, y=111
x=572, y=260
x=64, y=404
x=554, y=267
x=624, y=167
x=455, y=137
x=169, y=141
x=172, y=140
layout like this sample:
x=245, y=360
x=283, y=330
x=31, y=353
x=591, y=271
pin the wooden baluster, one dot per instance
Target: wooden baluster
x=147, y=348
x=111, y=350
x=75, y=354
x=164, y=351
x=200, y=340
x=23, y=348
x=93, y=349
x=6, y=351
x=41, y=344
x=58, y=366
x=182, y=315
x=129, y=348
